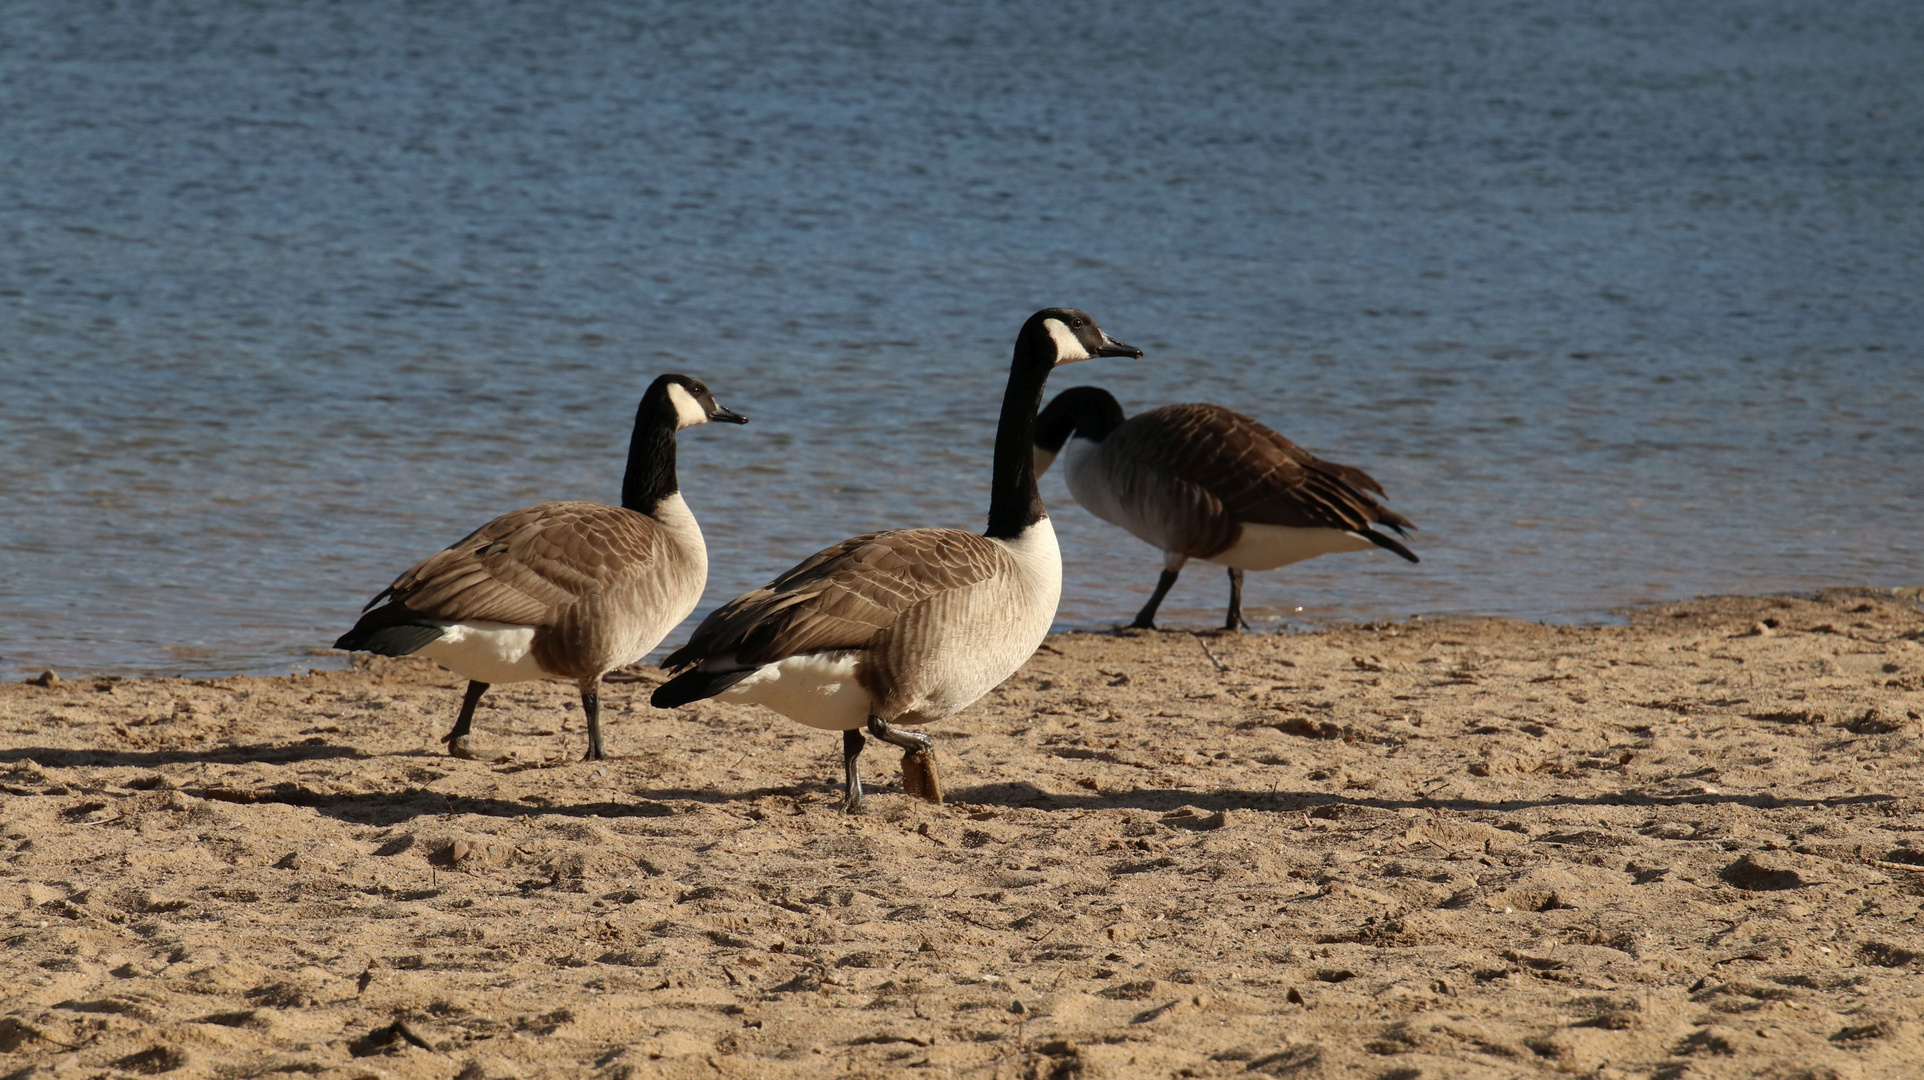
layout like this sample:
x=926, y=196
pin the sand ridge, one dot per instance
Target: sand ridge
x=1686, y=847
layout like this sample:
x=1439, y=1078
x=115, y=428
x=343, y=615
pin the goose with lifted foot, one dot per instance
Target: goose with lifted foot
x=907, y=626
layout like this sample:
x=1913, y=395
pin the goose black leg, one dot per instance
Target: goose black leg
x=1235, y=620
x=457, y=740
x=591, y=707
x=852, y=743
x=918, y=759
x=1146, y=618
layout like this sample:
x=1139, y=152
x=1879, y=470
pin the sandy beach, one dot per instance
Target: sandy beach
x=1690, y=846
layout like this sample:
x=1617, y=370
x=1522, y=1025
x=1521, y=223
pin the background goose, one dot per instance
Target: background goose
x=564, y=590
x=1203, y=482
x=906, y=626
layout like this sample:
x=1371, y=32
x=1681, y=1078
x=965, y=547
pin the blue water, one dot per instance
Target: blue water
x=1620, y=302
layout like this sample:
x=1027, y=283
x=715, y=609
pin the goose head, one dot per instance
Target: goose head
x=689, y=401
x=1067, y=335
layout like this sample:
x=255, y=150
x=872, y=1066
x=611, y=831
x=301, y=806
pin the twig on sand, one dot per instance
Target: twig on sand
x=1221, y=668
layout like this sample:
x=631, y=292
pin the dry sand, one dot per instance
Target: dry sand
x=1687, y=847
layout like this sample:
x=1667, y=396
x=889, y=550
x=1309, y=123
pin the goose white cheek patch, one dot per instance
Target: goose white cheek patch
x=688, y=411
x=1069, y=348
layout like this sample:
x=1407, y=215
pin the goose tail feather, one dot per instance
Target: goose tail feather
x=393, y=639
x=1387, y=543
x=694, y=685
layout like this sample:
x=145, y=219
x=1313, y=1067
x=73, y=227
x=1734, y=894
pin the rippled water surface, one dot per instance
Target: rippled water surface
x=1620, y=302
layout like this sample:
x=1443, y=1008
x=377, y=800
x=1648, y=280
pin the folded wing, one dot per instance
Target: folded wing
x=840, y=598
x=1219, y=469
x=529, y=567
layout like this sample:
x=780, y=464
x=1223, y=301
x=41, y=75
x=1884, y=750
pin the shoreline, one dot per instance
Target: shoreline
x=1457, y=846
x=1282, y=625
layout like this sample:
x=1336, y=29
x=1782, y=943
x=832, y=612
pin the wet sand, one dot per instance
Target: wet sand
x=1687, y=847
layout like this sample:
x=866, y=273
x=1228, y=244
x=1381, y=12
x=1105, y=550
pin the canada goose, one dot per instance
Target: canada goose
x=1203, y=482
x=564, y=590
x=911, y=625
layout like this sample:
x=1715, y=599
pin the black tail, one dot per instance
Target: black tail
x=694, y=685
x=1387, y=543
x=393, y=639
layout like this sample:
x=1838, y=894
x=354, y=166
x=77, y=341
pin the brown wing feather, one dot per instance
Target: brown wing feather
x=1242, y=470
x=530, y=566
x=842, y=597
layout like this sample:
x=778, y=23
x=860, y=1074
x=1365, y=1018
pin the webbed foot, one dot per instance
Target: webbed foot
x=918, y=758
x=919, y=776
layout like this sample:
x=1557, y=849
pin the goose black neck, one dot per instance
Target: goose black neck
x=1014, y=503
x=651, y=454
x=1087, y=412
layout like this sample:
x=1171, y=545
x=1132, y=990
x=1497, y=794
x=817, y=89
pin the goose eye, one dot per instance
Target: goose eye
x=1076, y=325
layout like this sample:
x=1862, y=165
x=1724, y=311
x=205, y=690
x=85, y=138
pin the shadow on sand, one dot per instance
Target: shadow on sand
x=1020, y=794
x=388, y=808
x=281, y=754
x=393, y=807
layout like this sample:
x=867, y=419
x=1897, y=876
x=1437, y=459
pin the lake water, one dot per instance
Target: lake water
x=1621, y=302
